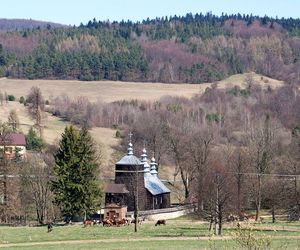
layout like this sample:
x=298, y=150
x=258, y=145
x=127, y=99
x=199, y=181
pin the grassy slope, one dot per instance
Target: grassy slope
x=108, y=91
x=53, y=128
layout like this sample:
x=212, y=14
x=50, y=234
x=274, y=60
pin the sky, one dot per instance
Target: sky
x=74, y=12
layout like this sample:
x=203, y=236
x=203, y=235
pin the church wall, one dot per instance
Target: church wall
x=134, y=182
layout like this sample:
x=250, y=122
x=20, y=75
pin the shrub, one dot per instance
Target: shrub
x=118, y=134
x=115, y=126
x=33, y=142
x=11, y=98
x=22, y=100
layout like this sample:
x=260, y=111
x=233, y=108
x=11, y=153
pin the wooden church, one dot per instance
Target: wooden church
x=136, y=179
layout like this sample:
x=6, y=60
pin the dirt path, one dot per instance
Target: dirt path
x=28, y=244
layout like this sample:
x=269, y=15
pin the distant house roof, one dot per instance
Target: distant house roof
x=115, y=188
x=154, y=185
x=129, y=160
x=13, y=139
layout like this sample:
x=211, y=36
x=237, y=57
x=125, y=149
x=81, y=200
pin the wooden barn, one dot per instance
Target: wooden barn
x=115, y=207
x=141, y=181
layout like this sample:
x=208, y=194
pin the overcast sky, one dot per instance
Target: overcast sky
x=76, y=11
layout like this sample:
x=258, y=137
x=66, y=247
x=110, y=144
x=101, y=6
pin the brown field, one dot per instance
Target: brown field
x=108, y=91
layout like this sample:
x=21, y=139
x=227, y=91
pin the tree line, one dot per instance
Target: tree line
x=192, y=48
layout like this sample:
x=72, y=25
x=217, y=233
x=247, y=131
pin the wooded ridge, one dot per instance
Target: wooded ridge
x=192, y=49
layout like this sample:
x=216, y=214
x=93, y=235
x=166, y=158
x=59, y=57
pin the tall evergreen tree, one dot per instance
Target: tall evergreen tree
x=75, y=187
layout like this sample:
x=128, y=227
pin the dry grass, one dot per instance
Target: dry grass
x=54, y=127
x=108, y=91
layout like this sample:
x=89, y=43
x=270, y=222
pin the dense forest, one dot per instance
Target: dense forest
x=192, y=48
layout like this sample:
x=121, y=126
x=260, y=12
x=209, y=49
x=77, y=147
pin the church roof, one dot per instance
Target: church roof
x=129, y=160
x=115, y=188
x=154, y=185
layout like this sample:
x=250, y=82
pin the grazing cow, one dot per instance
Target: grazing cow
x=88, y=223
x=107, y=223
x=232, y=218
x=50, y=227
x=243, y=216
x=160, y=222
x=121, y=222
x=139, y=221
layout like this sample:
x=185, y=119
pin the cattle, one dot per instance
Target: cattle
x=232, y=218
x=107, y=223
x=88, y=223
x=160, y=222
x=139, y=221
x=121, y=222
x=50, y=227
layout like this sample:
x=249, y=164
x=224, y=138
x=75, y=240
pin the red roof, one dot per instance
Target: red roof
x=14, y=139
x=115, y=188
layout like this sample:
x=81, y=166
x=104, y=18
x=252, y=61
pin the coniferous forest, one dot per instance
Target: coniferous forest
x=191, y=48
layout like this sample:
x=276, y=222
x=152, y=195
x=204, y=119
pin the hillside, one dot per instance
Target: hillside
x=109, y=91
x=189, y=49
x=23, y=24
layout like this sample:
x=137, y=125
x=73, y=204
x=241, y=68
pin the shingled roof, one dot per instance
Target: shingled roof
x=154, y=185
x=115, y=188
x=13, y=139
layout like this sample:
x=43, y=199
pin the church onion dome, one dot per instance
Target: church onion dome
x=144, y=160
x=129, y=149
x=153, y=165
x=129, y=159
x=152, y=183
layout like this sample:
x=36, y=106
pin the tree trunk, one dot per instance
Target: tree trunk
x=239, y=194
x=273, y=213
x=258, y=198
x=220, y=219
x=135, y=217
x=185, y=184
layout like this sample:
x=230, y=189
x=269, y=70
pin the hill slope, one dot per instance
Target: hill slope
x=189, y=49
x=109, y=91
x=23, y=24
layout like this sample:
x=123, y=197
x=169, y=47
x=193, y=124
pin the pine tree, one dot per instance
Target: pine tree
x=75, y=187
x=33, y=142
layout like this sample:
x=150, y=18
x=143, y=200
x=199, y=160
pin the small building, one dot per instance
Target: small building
x=14, y=145
x=142, y=182
x=115, y=207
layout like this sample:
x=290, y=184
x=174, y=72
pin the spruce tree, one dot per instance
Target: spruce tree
x=75, y=187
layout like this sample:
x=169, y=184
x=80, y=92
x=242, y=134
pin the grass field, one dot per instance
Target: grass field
x=54, y=127
x=108, y=91
x=177, y=234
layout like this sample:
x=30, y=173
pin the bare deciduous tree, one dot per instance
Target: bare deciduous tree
x=36, y=177
x=36, y=107
x=261, y=148
x=13, y=120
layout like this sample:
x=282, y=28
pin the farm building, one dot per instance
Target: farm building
x=135, y=178
x=13, y=144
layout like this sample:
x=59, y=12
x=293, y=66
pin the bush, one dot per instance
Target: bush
x=11, y=98
x=22, y=100
x=118, y=134
x=33, y=142
x=115, y=126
